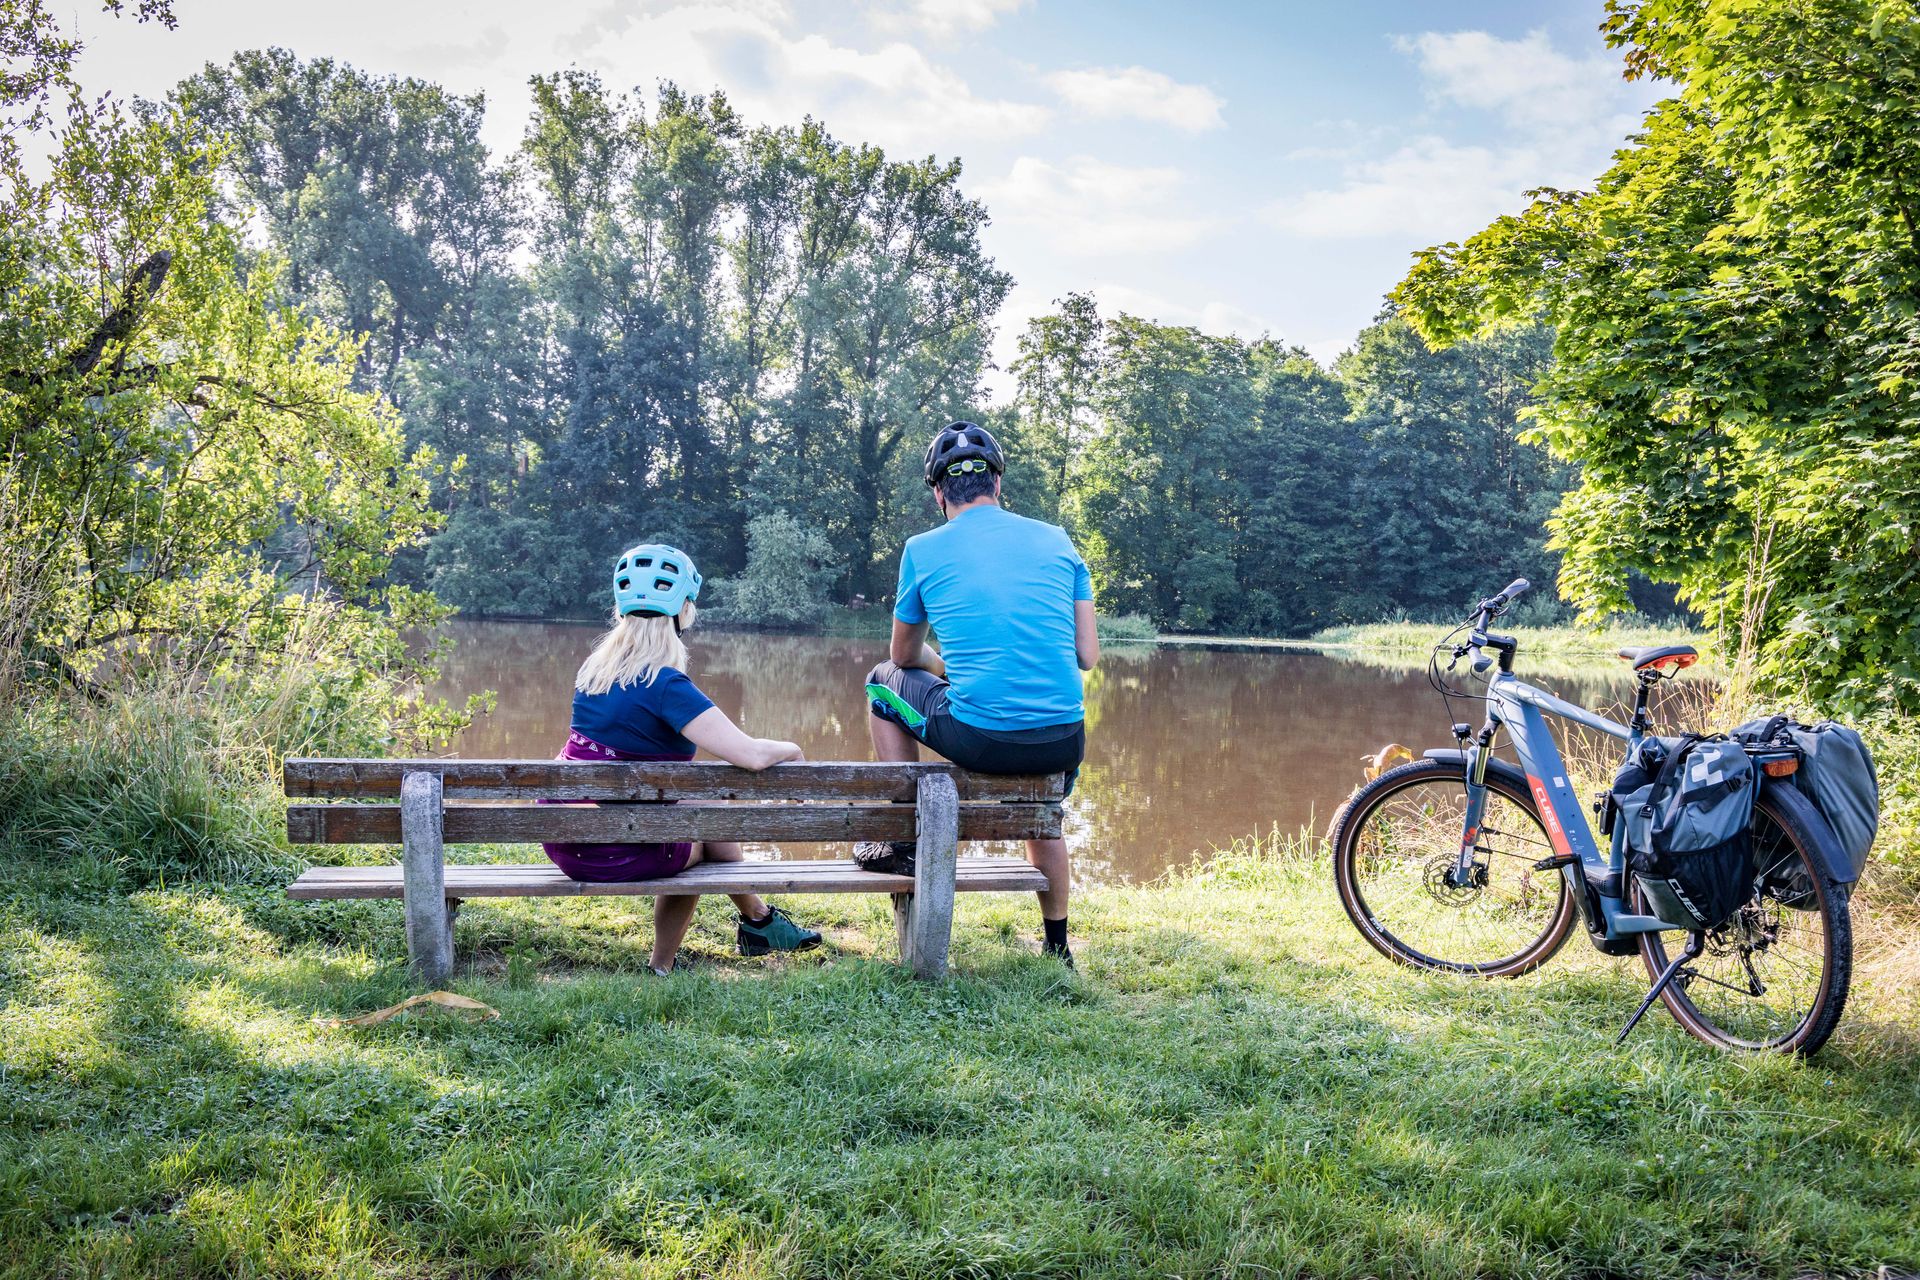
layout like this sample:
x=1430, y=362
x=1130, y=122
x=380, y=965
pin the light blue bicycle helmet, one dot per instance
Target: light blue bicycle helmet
x=655, y=579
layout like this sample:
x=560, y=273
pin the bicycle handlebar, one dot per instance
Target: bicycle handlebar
x=1483, y=613
x=1513, y=591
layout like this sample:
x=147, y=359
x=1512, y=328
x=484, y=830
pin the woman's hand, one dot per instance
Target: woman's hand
x=779, y=752
x=715, y=732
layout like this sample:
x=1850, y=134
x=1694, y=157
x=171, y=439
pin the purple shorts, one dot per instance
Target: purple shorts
x=604, y=862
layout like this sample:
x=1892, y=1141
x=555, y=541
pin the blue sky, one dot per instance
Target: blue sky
x=1245, y=168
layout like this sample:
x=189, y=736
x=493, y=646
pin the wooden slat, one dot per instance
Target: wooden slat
x=543, y=880
x=515, y=824
x=654, y=780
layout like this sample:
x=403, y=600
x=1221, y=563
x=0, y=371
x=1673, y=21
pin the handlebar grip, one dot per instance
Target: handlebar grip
x=1515, y=589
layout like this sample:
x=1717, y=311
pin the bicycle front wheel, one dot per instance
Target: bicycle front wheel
x=1774, y=977
x=1395, y=843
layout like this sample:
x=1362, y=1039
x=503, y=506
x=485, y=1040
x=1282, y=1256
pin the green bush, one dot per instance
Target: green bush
x=788, y=581
x=1127, y=626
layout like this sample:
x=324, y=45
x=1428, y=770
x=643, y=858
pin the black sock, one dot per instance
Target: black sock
x=1056, y=933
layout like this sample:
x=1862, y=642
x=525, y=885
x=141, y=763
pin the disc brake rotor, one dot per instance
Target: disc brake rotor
x=1438, y=879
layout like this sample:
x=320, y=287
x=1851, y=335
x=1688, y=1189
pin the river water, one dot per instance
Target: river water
x=1188, y=748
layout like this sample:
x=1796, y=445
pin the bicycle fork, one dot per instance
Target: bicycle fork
x=1462, y=874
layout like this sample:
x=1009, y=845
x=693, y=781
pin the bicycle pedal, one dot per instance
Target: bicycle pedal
x=1556, y=862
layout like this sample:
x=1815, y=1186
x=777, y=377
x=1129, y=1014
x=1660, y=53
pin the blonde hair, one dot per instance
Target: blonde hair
x=635, y=648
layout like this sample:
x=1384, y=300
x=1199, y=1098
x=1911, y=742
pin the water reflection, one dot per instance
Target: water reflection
x=1188, y=748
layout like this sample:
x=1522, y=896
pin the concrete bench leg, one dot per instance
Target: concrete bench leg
x=423, y=871
x=923, y=919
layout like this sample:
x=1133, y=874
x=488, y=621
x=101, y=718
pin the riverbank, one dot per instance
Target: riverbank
x=1561, y=644
x=1231, y=1084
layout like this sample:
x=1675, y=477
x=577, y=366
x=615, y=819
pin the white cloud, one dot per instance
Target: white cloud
x=1559, y=119
x=1429, y=190
x=946, y=17
x=893, y=95
x=1526, y=80
x=1090, y=207
x=1213, y=316
x=1136, y=93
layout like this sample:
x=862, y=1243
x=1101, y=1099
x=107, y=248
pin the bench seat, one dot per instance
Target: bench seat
x=426, y=804
x=544, y=880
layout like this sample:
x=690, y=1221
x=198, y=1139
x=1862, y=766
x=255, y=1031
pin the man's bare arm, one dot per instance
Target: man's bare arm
x=909, y=648
x=1086, y=635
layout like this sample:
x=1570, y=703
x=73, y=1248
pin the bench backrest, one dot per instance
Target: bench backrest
x=665, y=800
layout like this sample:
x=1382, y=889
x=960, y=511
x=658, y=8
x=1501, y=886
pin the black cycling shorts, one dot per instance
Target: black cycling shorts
x=916, y=700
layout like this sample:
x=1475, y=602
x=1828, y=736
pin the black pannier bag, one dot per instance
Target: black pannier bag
x=1836, y=773
x=1687, y=803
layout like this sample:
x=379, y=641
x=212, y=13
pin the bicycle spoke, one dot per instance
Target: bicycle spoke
x=1404, y=865
x=1763, y=974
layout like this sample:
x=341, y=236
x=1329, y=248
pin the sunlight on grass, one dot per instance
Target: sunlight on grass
x=55, y=1008
x=1234, y=1079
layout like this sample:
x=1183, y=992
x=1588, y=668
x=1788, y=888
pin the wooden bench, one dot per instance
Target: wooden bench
x=406, y=802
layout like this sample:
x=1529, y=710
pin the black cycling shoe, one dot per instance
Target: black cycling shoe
x=894, y=858
x=1063, y=954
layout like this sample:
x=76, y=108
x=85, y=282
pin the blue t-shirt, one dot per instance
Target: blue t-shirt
x=645, y=719
x=1000, y=591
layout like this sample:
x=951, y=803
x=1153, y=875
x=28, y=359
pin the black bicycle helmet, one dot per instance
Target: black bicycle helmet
x=959, y=442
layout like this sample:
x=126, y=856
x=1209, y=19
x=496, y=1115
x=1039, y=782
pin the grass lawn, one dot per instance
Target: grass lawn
x=1232, y=1085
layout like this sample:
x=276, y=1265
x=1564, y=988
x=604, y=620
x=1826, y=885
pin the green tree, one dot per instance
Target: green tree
x=914, y=309
x=377, y=190
x=1163, y=503
x=1300, y=559
x=182, y=448
x=1736, y=348
x=1447, y=498
x=1057, y=374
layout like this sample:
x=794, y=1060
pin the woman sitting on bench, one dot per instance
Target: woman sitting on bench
x=633, y=701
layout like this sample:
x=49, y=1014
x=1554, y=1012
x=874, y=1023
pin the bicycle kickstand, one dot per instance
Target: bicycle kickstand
x=1696, y=942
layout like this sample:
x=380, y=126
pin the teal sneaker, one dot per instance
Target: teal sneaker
x=777, y=932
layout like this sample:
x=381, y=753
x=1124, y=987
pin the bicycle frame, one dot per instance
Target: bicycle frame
x=1521, y=709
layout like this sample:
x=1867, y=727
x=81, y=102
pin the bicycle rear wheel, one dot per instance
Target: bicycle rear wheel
x=1394, y=844
x=1774, y=978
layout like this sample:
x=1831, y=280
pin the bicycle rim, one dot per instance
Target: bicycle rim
x=1398, y=840
x=1774, y=977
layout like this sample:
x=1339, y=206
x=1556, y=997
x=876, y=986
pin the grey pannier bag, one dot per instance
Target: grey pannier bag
x=1687, y=803
x=1836, y=773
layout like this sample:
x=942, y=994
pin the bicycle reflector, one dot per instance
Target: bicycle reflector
x=1780, y=768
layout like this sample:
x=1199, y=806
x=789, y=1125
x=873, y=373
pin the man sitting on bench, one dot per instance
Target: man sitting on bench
x=1012, y=603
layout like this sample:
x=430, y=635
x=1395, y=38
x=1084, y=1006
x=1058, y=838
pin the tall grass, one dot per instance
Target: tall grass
x=157, y=786
x=168, y=767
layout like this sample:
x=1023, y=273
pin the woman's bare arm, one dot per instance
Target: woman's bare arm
x=714, y=732
x=1086, y=635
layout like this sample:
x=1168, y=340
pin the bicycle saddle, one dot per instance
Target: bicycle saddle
x=1669, y=657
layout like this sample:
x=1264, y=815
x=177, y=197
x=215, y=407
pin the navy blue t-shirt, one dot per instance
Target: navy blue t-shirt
x=645, y=719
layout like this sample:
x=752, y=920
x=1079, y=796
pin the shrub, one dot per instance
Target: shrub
x=789, y=576
x=1127, y=626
